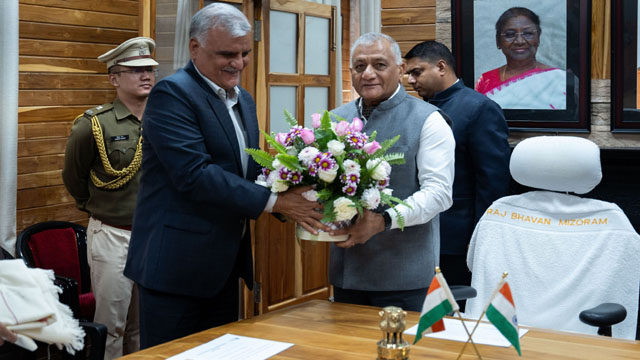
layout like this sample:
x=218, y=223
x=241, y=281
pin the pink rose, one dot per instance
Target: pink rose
x=372, y=147
x=307, y=136
x=316, y=120
x=341, y=128
x=281, y=138
x=356, y=124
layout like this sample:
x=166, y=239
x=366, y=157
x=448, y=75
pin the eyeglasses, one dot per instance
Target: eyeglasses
x=510, y=36
x=138, y=71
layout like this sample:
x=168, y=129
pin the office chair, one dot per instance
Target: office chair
x=62, y=247
x=563, y=253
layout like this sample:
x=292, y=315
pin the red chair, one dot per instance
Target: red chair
x=62, y=247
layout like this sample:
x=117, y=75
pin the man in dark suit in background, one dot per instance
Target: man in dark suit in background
x=482, y=151
x=191, y=240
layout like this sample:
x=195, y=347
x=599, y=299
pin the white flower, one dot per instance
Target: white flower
x=279, y=186
x=262, y=180
x=276, y=165
x=307, y=155
x=335, y=147
x=292, y=151
x=351, y=167
x=344, y=209
x=381, y=171
x=387, y=191
x=371, y=198
x=328, y=175
x=310, y=195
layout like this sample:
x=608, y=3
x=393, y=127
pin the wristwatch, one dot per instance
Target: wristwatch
x=387, y=220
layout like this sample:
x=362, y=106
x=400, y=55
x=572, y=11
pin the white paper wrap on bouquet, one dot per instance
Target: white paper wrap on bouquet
x=303, y=234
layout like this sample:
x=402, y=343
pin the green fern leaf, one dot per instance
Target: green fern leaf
x=324, y=194
x=325, y=121
x=290, y=119
x=274, y=144
x=387, y=144
x=290, y=162
x=261, y=157
x=394, y=158
x=329, y=213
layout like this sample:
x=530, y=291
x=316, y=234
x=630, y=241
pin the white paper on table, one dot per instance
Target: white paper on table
x=485, y=334
x=233, y=347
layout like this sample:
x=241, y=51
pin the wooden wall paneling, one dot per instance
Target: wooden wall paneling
x=408, y=16
x=110, y=6
x=63, y=81
x=405, y=46
x=47, y=146
x=281, y=258
x=147, y=18
x=307, y=7
x=41, y=31
x=70, y=49
x=46, y=14
x=44, y=130
x=64, y=97
x=32, y=164
x=391, y=4
x=345, y=10
x=38, y=179
x=601, y=39
x=60, y=65
x=26, y=217
x=35, y=114
x=43, y=196
x=314, y=254
x=410, y=32
x=60, y=77
x=409, y=22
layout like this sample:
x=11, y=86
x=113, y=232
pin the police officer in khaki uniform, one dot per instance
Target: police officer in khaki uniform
x=102, y=172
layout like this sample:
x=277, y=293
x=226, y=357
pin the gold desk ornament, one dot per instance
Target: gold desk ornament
x=392, y=346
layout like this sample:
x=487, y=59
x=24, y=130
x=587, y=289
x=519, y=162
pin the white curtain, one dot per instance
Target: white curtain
x=338, y=90
x=370, y=16
x=8, y=122
x=186, y=9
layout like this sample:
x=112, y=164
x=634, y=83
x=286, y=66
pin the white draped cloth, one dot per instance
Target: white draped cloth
x=541, y=90
x=564, y=254
x=29, y=306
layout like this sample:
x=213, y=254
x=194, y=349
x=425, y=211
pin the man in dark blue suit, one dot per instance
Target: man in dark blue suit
x=190, y=242
x=482, y=151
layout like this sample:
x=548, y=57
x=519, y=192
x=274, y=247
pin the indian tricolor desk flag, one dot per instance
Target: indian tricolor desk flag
x=438, y=303
x=502, y=314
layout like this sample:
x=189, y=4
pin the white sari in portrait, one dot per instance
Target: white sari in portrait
x=544, y=89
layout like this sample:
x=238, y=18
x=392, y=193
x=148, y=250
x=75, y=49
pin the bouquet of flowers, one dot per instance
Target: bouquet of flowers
x=350, y=169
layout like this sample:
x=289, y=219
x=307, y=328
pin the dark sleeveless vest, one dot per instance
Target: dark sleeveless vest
x=395, y=259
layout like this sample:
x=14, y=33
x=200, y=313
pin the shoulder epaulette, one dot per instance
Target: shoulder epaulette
x=98, y=109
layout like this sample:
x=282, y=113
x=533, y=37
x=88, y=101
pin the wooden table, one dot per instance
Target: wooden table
x=324, y=330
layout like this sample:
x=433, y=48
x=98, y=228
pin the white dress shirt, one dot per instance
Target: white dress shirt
x=230, y=100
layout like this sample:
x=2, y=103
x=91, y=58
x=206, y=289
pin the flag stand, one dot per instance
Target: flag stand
x=470, y=335
x=504, y=275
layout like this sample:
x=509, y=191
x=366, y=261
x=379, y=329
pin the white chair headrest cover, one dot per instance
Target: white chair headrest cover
x=557, y=163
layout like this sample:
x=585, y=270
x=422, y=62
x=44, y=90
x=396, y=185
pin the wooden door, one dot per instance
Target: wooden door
x=295, y=69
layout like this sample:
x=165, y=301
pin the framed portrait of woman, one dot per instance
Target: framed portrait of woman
x=625, y=66
x=530, y=57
